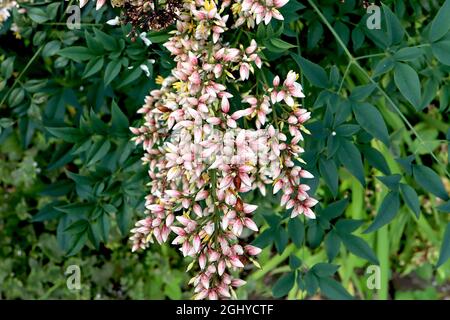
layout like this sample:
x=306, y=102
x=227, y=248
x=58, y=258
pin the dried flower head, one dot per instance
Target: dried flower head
x=151, y=15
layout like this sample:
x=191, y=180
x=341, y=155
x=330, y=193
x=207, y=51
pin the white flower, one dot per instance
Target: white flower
x=113, y=22
x=145, y=69
x=144, y=38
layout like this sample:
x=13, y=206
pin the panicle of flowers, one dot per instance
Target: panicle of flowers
x=201, y=160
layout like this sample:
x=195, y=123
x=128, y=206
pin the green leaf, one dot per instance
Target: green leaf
x=38, y=15
x=392, y=181
x=265, y=239
x=334, y=209
x=314, y=233
x=430, y=181
x=315, y=33
x=350, y=157
x=120, y=121
x=329, y=172
x=375, y=159
x=311, y=282
x=7, y=67
x=357, y=38
x=100, y=153
x=408, y=83
x=105, y=226
x=34, y=86
x=362, y=92
x=94, y=233
x=296, y=230
x=67, y=134
x=332, y=245
x=78, y=226
x=80, y=179
x=395, y=30
x=322, y=270
x=109, y=208
x=124, y=216
x=411, y=198
x=385, y=65
x=441, y=50
x=431, y=86
x=281, y=44
x=333, y=289
x=294, y=262
x=51, y=48
x=284, y=285
x=52, y=10
x=6, y=123
x=371, y=120
x=107, y=41
x=16, y=97
x=313, y=72
x=80, y=210
x=281, y=239
x=76, y=53
x=445, y=248
x=57, y=189
x=92, y=43
x=347, y=130
x=158, y=37
x=111, y=72
x=93, y=66
x=387, y=211
x=344, y=226
x=408, y=54
x=132, y=76
x=359, y=247
x=48, y=212
x=406, y=163
x=76, y=243
x=441, y=23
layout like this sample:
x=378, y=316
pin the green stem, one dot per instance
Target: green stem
x=371, y=56
x=345, y=76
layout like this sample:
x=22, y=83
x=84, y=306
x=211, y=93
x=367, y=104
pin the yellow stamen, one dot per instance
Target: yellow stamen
x=159, y=80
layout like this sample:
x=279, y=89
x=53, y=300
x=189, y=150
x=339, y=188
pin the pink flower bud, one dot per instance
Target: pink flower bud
x=252, y=250
x=225, y=104
x=202, y=261
x=249, y=208
x=249, y=223
x=236, y=262
x=237, y=282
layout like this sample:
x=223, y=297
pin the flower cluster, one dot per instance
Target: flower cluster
x=5, y=8
x=254, y=12
x=201, y=158
x=99, y=3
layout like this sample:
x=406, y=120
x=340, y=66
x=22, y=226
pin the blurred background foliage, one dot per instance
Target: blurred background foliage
x=72, y=182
